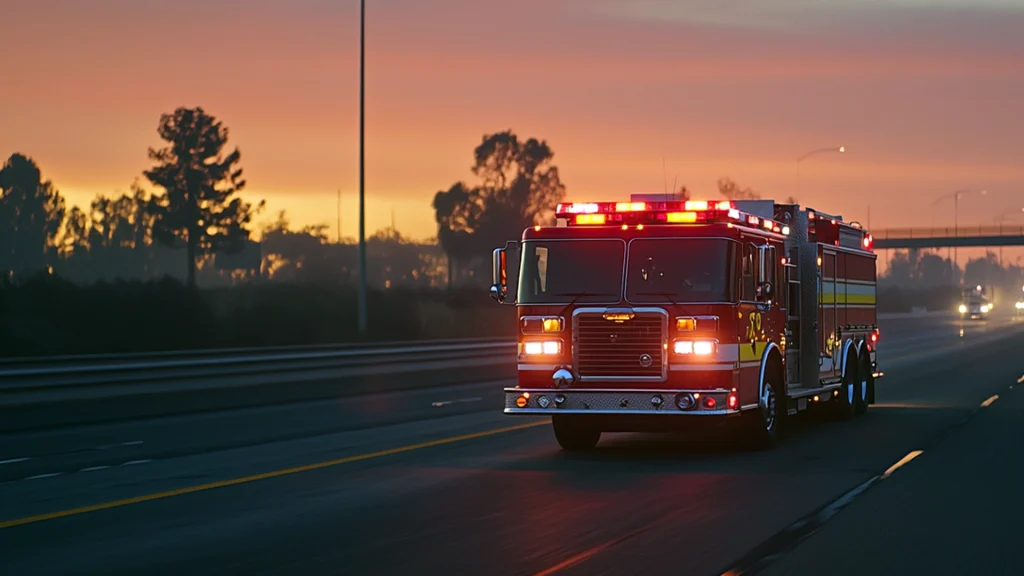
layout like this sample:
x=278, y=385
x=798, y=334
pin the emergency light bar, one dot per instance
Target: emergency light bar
x=671, y=212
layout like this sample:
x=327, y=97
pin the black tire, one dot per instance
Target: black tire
x=761, y=425
x=845, y=405
x=573, y=435
x=866, y=383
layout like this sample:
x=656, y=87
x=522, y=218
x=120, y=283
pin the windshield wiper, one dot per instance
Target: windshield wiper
x=575, y=298
x=669, y=295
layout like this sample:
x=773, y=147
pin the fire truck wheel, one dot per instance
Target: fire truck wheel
x=867, y=382
x=761, y=426
x=574, y=435
x=846, y=402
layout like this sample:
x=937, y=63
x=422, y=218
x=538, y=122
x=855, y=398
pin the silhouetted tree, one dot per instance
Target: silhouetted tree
x=730, y=190
x=457, y=212
x=200, y=207
x=520, y=187
x=31, y=214
x=295, y=254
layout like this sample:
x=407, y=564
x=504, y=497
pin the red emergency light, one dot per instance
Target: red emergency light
x=669, y=212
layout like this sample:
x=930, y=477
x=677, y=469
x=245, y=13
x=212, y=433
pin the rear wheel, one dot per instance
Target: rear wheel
x=867, y=381
x=849, y=393
x=573, y=434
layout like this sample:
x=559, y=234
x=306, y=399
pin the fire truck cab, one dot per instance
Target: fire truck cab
x=651, y=314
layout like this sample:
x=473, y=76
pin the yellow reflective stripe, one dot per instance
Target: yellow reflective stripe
x=752, y=353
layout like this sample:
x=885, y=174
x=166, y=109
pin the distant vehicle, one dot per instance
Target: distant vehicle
x=975, y=307
x=1020, y=308
x=643, y=315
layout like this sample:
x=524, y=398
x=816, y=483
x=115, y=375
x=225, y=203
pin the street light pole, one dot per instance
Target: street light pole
x=956, y=221
x=999, y=220
x=362, y=168
x=839, y=149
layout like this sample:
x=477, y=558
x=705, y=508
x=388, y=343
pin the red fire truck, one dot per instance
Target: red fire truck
x=634, y=316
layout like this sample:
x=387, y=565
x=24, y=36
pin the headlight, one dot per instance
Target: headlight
x=985, y=308
x=546, y=347
x=963, y=309
x=1020, y=305
x=694, y=347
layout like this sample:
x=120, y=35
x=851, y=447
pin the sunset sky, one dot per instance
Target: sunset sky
x=927, y=96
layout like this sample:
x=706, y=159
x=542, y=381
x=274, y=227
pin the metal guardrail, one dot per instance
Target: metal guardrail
x=37, y=393
x=71, y=371
x=27, y=373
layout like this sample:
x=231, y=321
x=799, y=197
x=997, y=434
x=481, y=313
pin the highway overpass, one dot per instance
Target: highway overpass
x=397, y=460
x=962, y=237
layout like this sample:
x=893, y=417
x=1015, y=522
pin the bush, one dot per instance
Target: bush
x=49, y=316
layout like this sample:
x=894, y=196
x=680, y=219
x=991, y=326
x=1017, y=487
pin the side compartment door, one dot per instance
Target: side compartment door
x=827, y=313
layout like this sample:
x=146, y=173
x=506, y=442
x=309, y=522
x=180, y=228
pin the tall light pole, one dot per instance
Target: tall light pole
x=362, y=168
x=839, y=149
x=956, y=219
x=1003, y=218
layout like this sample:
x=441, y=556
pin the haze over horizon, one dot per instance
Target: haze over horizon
x=925, y=95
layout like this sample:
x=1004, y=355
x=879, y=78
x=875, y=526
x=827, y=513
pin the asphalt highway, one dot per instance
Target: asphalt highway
x=438, y=481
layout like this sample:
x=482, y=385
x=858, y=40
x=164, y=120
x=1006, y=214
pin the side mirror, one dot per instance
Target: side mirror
x=500, y=272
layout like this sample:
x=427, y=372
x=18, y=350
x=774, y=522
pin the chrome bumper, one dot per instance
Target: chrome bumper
x=622, y=402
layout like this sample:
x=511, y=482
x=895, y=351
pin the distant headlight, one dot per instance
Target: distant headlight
x=963, y=309
x=1020, y=305
x=985, y=308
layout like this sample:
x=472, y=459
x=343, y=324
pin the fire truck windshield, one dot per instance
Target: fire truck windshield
x=679, y=270
x=559, y=271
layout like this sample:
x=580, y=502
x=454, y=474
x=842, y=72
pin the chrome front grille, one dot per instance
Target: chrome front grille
x=633, y=348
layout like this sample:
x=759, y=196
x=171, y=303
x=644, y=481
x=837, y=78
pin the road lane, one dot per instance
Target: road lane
x=955, y=509
x=505, y=504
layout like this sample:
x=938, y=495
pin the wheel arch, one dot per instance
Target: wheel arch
x=847, y=346
x=771, y=360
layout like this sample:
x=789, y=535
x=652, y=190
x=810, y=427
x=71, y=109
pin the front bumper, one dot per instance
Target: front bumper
x=622, y=402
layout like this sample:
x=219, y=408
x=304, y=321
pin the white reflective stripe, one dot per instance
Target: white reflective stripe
x=701, y=367
x=756, y=364
x=861, y=282
x=538, y=367
x=858, y=289
x=726, y=352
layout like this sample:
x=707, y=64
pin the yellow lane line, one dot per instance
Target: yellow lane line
x=901, y=463
x=264, y=476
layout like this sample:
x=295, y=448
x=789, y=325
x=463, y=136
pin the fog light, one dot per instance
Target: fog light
x=543, y=402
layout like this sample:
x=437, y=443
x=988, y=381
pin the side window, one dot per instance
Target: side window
x=748, y=276
x=534, y=279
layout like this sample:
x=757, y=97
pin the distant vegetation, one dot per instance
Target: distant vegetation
x=178, y=265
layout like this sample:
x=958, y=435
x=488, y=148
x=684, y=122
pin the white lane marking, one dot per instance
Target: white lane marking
x=133, y=462
x=902, y=463
x=93, y=468
x=460, y=401
x=132, y=443
x=38, y=476
x=13, y=460
x=989, y=402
